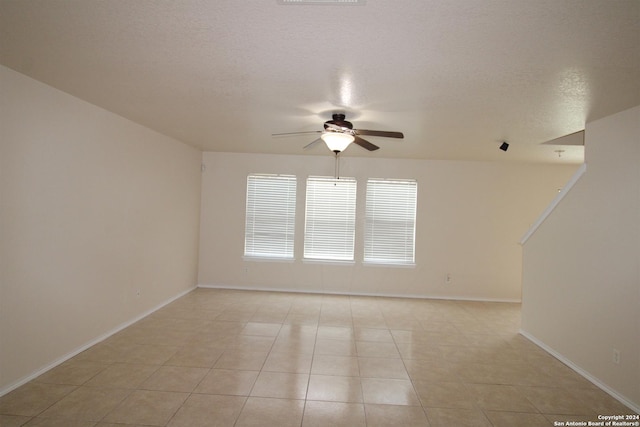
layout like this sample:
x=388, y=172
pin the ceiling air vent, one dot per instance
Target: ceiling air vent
x=341, y=2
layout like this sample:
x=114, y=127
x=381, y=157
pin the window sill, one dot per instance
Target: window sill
x=387, y=264
x=327, y=261
x=266, y=259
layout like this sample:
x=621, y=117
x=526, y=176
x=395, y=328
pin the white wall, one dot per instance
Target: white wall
x=471, y=216
x=92, y=208
x=581, y=279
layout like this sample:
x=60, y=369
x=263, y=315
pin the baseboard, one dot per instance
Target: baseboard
x=595, y=381
x=357, y=294
x=87, y=345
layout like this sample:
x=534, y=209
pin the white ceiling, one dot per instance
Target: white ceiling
x=457, y=77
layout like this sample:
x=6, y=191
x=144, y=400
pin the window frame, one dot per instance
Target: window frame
x=381, y=228
x=321, y=209
x=264, y=206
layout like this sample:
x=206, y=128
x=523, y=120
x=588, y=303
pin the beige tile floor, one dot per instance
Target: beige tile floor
x=241, y=358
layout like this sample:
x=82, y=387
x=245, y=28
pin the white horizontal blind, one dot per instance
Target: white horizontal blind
x=270, y=216
x=390, y=221
x=330, y=225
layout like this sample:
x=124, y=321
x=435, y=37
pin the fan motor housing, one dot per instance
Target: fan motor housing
x=339, y=120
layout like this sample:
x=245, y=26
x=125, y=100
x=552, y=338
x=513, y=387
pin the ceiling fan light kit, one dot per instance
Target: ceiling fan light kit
x=338, y=134
x=336, y=141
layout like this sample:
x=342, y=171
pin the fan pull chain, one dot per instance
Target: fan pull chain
x=336, y=169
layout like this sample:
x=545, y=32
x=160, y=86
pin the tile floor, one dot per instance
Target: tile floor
x=241, y=358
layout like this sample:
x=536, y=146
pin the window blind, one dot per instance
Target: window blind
x=270, y=216
x=390, y=222
x=330, y=218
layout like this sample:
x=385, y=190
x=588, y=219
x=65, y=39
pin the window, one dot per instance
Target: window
x=270, y=216
x=330, y=225
x=390, y=224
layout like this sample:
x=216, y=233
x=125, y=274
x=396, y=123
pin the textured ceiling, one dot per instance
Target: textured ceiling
x=457, y=77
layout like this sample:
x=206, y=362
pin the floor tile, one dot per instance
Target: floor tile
x=296, y=331
x=477, y=373
x=444, y=394
x=33, y=398
x=419, y=350
x=376, y=349
x=87, y=403
x=282, y=385
x=266, y=412
x=107, y=351
x=509, y=419
x=122, y=375
x=244, y=360
x=395, y=416
x=373, y=322
x=261, y=329
x=301, y=319
x=299, y=345
x=550, y=400
x=228, y=381
x=220, y=328
x=373, y=334
x=224, y=357
x=389, y=392
x=288, y=362
x=149, y=354
x=335, y=365
x=406, y=336
x=500, y=397
x=433, y=370
x=599, y=401
x=378, y=367
x=336, y=321
x=334, y=414
x=403, y=322
x=335, y=333
x=335, y=388
x=195, y=355
x=13, y=420
x=74, y=372
x=332, y=347
x=202, y=410
x=253, y=343
x=447, y=417
x=235, y=316
x=269, y=317
x=175, y=378
x=154, y=408
x=57, y=422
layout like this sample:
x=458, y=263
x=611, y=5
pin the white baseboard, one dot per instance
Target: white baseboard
x=85, y=346
x=357, y=294
x=613, y=393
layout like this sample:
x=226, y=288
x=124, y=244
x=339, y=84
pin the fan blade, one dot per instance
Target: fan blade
x=382, y=133
x=311, y=143
x=365, y=144
x=296, y=133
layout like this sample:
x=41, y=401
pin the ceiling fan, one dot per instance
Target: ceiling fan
x=338, y=134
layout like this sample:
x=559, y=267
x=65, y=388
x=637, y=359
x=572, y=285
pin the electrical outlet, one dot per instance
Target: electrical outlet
x=448, y=279
x=615, y=358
